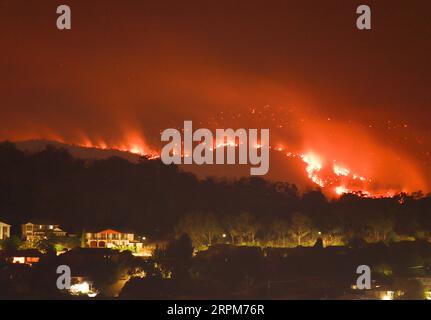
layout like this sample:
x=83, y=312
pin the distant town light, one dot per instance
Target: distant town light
x=224, y=235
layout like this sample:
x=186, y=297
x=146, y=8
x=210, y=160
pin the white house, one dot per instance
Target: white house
x=32, y=232
x=112, y=239
x=4, y=230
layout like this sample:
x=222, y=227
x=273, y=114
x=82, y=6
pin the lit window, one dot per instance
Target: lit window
x=20, y=260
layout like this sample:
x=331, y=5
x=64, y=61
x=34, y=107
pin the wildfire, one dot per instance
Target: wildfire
x=314, y=165
x=340, y=190
x=332, y=176
x=134, y=144
x=338, y=179
x=339, y=171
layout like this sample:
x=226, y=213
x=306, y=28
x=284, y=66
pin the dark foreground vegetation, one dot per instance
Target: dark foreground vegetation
x=229, y=272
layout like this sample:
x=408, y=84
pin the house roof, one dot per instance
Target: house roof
x=3, y=223
x=109, y=231
x=43, y=223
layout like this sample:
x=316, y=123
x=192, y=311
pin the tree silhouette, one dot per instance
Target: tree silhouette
x=300, y=227
x=247, y=227
x=280, y=229
x=379, y=227
x=177, y=256
x=202, y=228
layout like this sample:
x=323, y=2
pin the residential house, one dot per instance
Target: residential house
x=32, y=232
x=4, y=230
x=112, y=239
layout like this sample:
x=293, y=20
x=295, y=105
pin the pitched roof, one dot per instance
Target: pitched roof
x=40, y=222
x=109, y=231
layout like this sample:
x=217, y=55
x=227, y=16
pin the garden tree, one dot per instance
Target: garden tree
x=333, y=236
x=202, y=228
x=11, y=244
x=300, y=227
x=180, y=249
x=210, y=228
x=176, y=258
x=319, y=243
x=247, y=227
x=83, y=239
x=280, y=230
x=189, y=225
x=379, y=227
x=66, y=242
x=231, y=225
x=46, y=245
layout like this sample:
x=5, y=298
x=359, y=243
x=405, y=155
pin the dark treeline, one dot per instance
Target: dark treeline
x=151, y=198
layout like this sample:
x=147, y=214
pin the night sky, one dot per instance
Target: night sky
x=129, y=69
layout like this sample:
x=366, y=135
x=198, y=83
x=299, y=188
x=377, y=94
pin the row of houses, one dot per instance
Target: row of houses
x=109, y=238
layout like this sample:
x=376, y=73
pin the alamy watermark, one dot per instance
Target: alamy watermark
x=64, y=278
x=363, y=282
x=64, y=20
x=211, y=150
